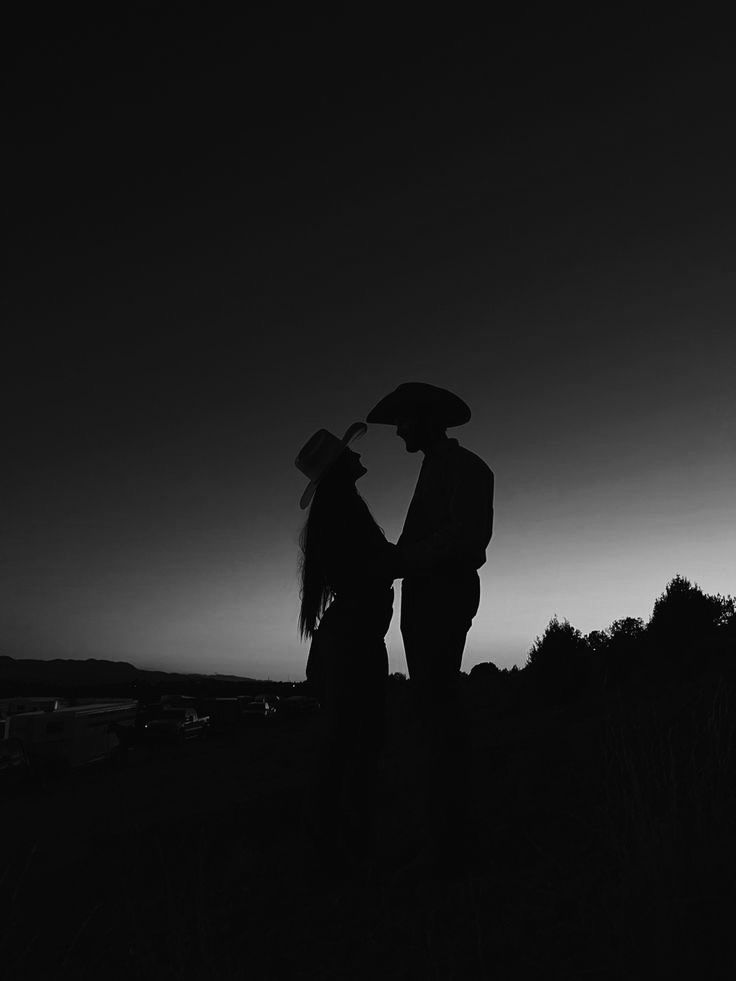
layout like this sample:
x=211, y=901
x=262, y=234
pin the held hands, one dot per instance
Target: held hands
x=395, y=561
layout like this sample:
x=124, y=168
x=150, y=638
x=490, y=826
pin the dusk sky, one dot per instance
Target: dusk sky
x=226, y=235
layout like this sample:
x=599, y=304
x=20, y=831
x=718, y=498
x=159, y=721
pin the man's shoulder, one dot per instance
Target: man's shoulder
x=467, y=459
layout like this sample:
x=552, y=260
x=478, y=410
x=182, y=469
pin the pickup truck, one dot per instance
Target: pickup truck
x=296, y=706
x=178, y=723
x=260, y=708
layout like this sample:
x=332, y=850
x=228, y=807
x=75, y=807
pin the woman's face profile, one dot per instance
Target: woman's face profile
x=354, y=466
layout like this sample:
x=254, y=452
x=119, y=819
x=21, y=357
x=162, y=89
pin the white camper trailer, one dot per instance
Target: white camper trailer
x=31, y=703
x=25, y=703
x=74, y=734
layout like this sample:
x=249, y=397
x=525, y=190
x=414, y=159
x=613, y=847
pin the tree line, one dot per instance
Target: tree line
x=688, y=633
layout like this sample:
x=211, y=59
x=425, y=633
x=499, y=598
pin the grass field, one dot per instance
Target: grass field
x=605, y=850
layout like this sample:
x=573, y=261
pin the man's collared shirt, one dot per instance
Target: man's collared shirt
x=450, y=519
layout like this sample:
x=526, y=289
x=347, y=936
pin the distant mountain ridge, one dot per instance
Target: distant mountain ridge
x=91, y=671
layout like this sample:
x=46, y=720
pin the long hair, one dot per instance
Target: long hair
x=338, y=517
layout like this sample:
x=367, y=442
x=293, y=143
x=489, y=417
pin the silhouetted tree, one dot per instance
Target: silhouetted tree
x=560, y=659
x=728, y=629
x=618, y=649
x=685, y=622
x=597, y=641
x=628, y=630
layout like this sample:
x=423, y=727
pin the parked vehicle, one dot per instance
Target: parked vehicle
x=178, y=723
x=298, y=705
x=224, y=713
x=31, y=703
x=261, y=708
x=179, y=701
x=73, y=734
x=14, y=764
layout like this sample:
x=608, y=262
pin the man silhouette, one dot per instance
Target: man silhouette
x=443, y=544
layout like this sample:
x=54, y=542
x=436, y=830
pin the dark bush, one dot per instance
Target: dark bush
x=397, y=678
x=485, y=672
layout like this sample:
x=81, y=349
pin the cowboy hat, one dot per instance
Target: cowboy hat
x=421, y=400
x=320, y=452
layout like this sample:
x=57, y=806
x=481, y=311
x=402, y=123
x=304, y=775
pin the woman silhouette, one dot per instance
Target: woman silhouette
x=346, y=608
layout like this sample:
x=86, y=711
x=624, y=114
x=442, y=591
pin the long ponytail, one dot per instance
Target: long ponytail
x=336, y=516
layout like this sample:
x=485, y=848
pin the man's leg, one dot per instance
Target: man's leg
x=435, y=619
x=436, y=615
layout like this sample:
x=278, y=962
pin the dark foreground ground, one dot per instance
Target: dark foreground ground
x=607, y=849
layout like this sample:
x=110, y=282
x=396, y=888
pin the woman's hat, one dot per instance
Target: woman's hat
x=320, y=452
x=423, y=401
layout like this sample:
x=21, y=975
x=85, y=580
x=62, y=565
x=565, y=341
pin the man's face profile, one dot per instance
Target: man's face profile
x=411, y=430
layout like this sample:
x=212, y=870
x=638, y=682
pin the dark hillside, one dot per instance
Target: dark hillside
x=70, y=677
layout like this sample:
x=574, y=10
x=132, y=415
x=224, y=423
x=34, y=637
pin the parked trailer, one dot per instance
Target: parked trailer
x=30, y=703
x=74, y=734
x=20, y=704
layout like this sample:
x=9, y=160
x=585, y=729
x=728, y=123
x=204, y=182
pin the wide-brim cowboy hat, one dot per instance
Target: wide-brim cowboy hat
x=419, y=400
x=320, y=452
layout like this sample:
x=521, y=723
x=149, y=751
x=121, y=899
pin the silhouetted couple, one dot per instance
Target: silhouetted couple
x=348, y=569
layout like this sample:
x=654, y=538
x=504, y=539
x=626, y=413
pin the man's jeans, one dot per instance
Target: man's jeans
x=436, y=614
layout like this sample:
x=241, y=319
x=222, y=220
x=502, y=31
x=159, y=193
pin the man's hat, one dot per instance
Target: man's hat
x=320, y=452
x=421, y=401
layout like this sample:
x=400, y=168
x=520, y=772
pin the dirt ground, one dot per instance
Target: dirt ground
x=191, y=862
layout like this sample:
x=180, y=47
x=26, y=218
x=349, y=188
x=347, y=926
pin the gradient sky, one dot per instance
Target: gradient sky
x=227, y=235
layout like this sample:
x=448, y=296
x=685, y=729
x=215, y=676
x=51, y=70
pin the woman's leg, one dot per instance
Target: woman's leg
x=365, y=732
x=323, y=810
